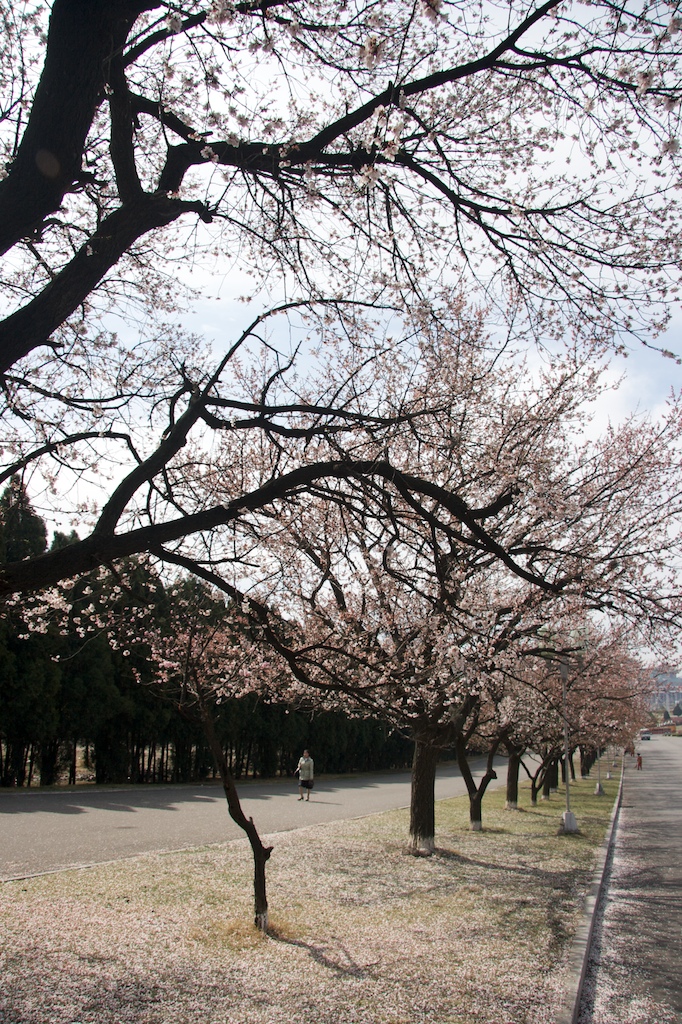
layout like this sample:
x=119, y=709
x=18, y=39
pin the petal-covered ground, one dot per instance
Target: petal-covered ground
x=362, y=932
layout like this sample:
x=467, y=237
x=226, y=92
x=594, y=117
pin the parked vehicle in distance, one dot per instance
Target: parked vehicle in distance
x=644, y=735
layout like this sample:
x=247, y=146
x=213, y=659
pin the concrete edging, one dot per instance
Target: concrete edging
x=582, y=941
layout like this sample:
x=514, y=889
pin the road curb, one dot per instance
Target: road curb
x=582, y=941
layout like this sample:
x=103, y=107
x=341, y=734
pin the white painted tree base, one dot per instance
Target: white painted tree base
x=421, y=847
x=569, y=821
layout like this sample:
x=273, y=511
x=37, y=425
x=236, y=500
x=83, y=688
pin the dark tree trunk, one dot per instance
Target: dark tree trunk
x=476, y=812
x=238, y=759
x=73, y=767
x=547, y=783
x=48, y=757
x=15, y=763
x=550, y=782
x=513, y=769
x=537, y=781
x=82, y=37
x=261, y=854
x=535, y=787
x=587, y=759
x=31, y=762
x=476, y=792
x=571, y=768
x=422, y=798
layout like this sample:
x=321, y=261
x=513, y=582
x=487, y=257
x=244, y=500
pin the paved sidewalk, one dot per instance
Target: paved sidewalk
x=635, y=971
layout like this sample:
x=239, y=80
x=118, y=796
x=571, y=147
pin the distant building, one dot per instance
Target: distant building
x=667, y=691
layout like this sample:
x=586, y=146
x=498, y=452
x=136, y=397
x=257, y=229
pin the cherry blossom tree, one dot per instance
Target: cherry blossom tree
x=373, y=153
x=412, y=599
x=537, y=143
x=197, y=652
x=611, y=691
x=390, y=602
x=509, y=503
x=186, y=447
x=606, y=700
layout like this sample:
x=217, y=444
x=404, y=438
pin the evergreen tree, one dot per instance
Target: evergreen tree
x=22, y=531
x=29, y=680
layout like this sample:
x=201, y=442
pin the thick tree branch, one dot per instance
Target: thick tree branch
x=83, y=35
x=33, y=324
x=103, y=546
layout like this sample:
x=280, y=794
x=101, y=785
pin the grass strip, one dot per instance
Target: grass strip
x=362, y=932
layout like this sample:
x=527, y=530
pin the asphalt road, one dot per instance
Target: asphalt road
x=634, y=968
x=49, y=830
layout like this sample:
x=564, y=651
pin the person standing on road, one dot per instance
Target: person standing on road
x=639, y=762
x=305, y=772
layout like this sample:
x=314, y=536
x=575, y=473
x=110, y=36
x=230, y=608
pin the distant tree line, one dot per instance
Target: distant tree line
x=71, y=700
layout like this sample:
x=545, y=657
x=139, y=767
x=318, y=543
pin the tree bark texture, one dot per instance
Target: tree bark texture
x=422, y=797
x=513, y=768
x=587, y=758
x=550, y=781
x=82, y=37
x=476, y=792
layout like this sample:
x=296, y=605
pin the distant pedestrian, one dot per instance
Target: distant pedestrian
x=639, y=762
x=305, y=772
